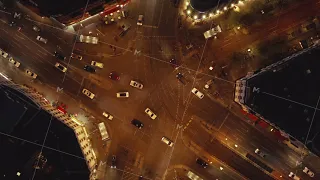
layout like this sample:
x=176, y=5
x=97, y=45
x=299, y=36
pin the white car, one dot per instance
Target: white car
x=39, y=38
x=293, y=176
x=308, y=171
x=136, y=84
x=98, y=64
x=3, y=53
x=32, y=74
x=109, y=116
x=150, y=113
x=167, y=141
x=122, y=94
x=140, y=20
x=197, y=93
x=60, y=67
x=212, y=32
x=76, y=56
x=15, y=63
x=88, y=93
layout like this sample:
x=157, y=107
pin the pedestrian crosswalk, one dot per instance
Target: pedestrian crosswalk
x=132, y=171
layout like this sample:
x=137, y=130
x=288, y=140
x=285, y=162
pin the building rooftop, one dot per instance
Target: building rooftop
x=206, y=5
x=287, y=95
x=23, y=131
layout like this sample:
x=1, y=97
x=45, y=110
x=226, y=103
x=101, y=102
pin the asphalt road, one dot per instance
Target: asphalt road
x=141, y=151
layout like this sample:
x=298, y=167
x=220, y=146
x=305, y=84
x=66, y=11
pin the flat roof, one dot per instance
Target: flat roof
x=56, y=7
x=206, y=5
x=287, y=96
x=23, y=131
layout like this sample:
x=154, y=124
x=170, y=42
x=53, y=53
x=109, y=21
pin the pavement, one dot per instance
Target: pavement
x=143, y=54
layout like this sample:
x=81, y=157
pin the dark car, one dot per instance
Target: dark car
x=114, y=76
x=89, y=68
x=12, y=23
x=179, y=76
x=59, y=56
x=174, y=63
x=114, y=162
x=137, y=123
x=202, y=162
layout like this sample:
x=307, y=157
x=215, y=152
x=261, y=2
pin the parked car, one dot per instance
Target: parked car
x=89, y=69
x=59, y=56
x=293, y=176
x=60, y=67
x=107, y=115
x=31, y=74
x=167, y=141
x=174, y=63
x=114, y=76
x=3, y=53
x=88, y=93
x=15, y=63
x=39, y=38
x=150, y=113
x=122, y=94
x=197, y=93
x=136, y=84
x=308, y=171
x=137, y=123
x=97, y=64
x=140, y=20
x=202, y=162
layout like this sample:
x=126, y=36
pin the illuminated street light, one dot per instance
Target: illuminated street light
x=226, y=139
x=221, y=168
x=235, y=145
x=210, y=14
x=225, y=8
x=232, y=5
x=187, y=3
x=271, y=129
x=249, y=50
x=195, y=17
x=188, y=12
x=204, y=16
x=238, y=27
x=18, y=173
x=210, y=68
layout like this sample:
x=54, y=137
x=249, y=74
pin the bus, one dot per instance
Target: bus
x=193, y=176
x=103, y=131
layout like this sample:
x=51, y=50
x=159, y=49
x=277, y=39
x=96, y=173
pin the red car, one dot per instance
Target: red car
x=114, y=76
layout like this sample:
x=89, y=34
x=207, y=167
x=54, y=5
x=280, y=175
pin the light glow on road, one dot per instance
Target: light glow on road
x=4, y=76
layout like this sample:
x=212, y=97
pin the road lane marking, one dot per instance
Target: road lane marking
x=37, y=44
x=19, y=37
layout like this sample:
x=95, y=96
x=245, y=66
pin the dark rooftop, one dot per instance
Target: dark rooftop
x=206, y=5
x=23, y=129
x=288, y=96
x=56, y=7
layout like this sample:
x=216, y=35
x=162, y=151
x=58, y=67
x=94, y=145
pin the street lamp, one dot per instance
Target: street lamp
x=187, y=3
x=195, y=17
x=225, y=8
x=249, y=50
x=236, y=145
x=204, y=16
x=188, y=12
x=210, y=14
x=221, y=168
x=218, y=12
